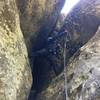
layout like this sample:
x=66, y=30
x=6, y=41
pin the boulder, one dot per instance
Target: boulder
x=15, y=71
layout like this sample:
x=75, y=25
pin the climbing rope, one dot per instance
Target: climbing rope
x=65, y=70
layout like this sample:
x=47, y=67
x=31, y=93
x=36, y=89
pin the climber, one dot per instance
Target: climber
x=52, y=46
x=52, y=50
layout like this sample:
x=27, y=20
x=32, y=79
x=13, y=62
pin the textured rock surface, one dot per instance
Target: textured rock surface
x=60, y=22
x=37, y=20
x=85, y=70
x=87, y=74
x=83, y=75
x=15, y=72
x=83, y=21
x=84, y=67
x=38, y=17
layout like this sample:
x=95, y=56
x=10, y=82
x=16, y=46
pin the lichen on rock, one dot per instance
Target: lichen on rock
x=15, y=72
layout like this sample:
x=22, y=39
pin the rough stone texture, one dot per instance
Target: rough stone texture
x=82, y=22
x=38, y=17
x=83, y=75
x=37, y=20
x=83, y=68
x=60, y=22
x=15, y=72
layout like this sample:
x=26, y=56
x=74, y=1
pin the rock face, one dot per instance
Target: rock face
x=83, y=68
x=15, y=71
x=38, y=17
x=81, y=24
x=83, y=21
x=37, y=20
x=83, y=75
x=60, y=22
